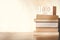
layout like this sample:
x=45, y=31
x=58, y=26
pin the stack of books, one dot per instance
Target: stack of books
x=47, y=23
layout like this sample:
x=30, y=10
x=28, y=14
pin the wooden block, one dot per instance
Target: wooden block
x=54, y=10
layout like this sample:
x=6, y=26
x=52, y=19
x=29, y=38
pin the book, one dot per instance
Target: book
x=46, y=29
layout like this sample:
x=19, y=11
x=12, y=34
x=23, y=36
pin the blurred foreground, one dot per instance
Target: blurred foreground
x=28, y=36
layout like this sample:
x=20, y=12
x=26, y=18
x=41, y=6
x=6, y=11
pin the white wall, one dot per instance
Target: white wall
x=18, y=15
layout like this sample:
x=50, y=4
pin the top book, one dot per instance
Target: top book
x=48, y=17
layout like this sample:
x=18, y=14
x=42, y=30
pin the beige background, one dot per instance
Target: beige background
x=18, y=15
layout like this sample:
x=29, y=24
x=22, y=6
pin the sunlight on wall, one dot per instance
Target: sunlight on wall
x=15, y=16
x=18, y=15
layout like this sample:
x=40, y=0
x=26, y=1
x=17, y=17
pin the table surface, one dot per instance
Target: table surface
x=26, y=35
